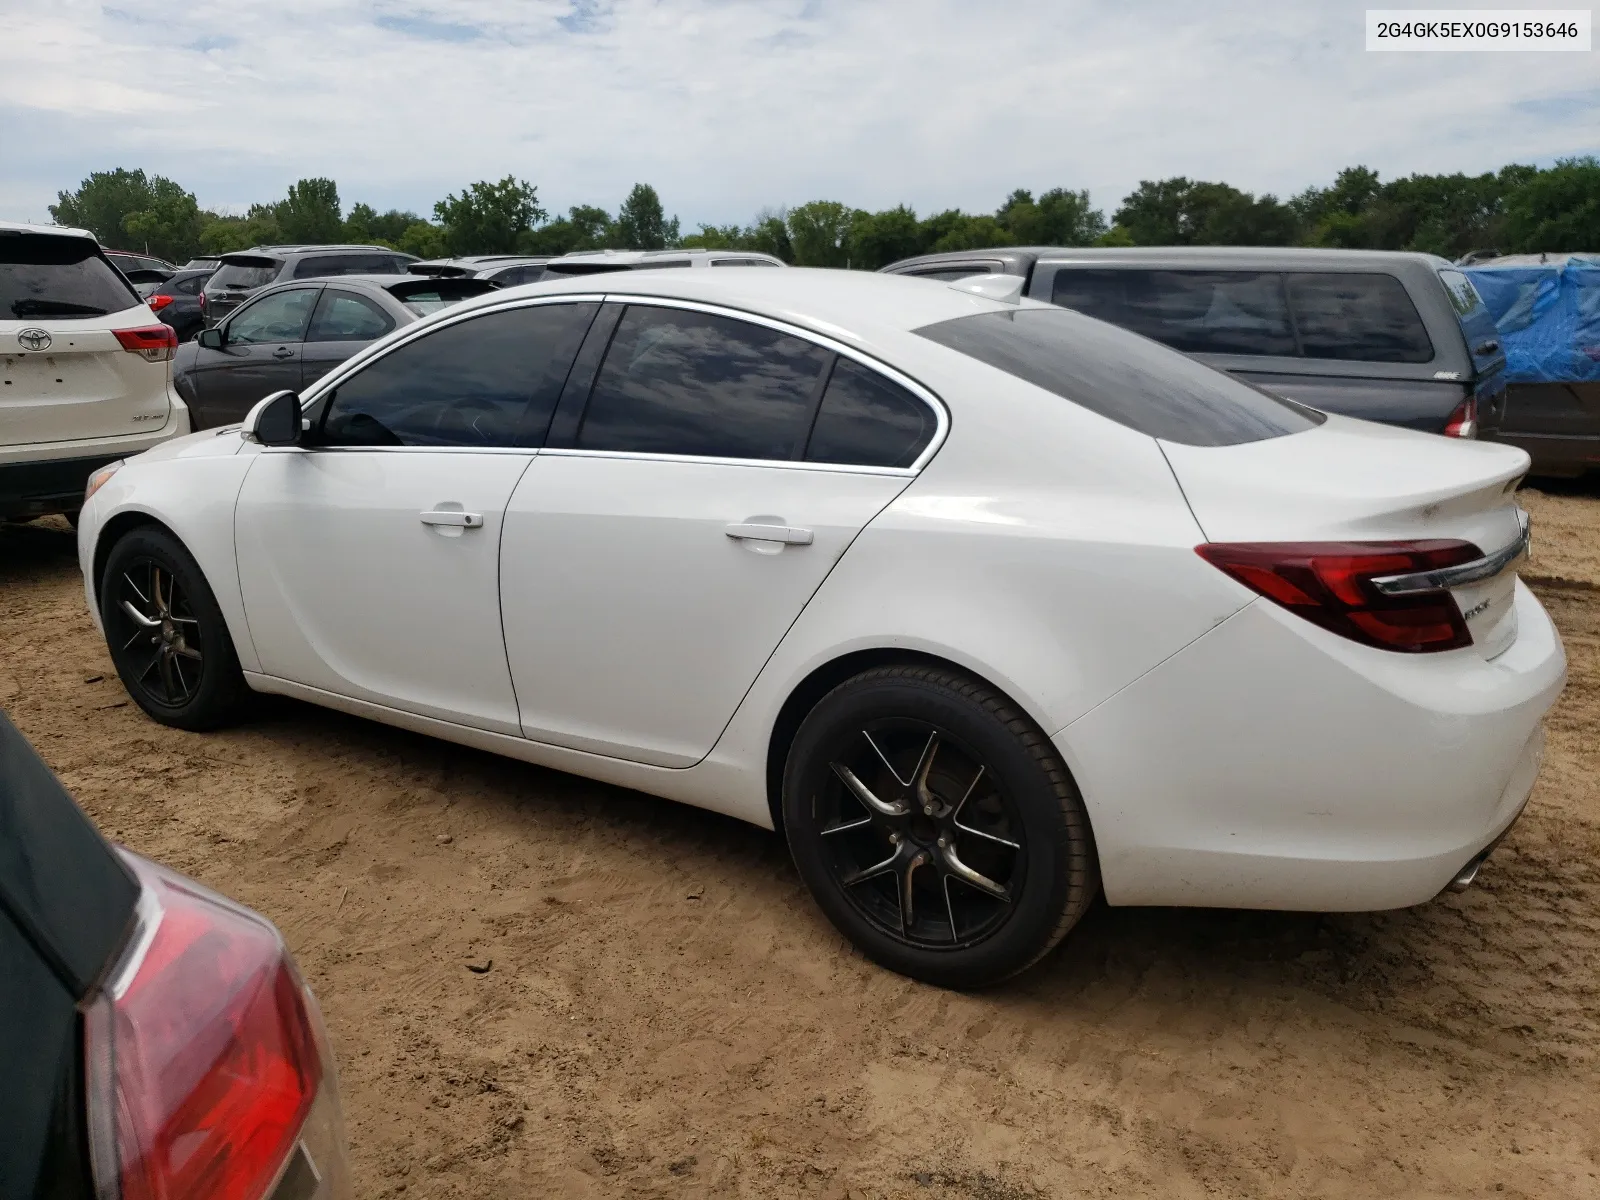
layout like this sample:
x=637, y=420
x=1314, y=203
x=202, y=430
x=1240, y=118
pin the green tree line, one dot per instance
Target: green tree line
x=1515, y=209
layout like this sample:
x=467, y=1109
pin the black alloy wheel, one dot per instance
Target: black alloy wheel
x=920, y=837
x=166, y=634
x=936, y=826
x=157, y=629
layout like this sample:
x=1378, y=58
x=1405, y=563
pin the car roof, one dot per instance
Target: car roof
x=1281, y=257
x=857, y=307
x=332, y=247
x=630, y=257
x=60, y=230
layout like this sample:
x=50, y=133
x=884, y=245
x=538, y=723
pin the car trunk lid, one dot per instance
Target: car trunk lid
x=1357, y=481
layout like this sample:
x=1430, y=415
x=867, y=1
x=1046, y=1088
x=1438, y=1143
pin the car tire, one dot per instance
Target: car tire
x=922, y=784
x=167, y=635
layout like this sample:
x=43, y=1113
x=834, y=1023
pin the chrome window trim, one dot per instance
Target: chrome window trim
x=424, y=327
x=941, y=415
x=1464, y=574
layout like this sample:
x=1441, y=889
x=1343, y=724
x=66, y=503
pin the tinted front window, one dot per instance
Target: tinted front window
x=235, y=277
x=868, y=420
x=45, y=275
x=1198, y=312
x=346, y=317
x=488, y=381
x=1357, y=317
x=1123, y=377
x=680, y=382
x=280, y=317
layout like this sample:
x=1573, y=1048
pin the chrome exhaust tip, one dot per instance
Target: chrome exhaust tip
x=1465, y=876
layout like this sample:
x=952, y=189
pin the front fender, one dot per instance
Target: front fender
x=191, y=488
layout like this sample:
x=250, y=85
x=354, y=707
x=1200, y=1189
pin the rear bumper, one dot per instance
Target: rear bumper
x=1271, y=764
x=1557, y=454
x=49, y=477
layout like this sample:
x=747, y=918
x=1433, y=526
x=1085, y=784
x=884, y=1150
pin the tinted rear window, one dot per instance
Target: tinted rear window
x=323, y=265
x=1198, y=312
x=236, y=277
x=1357, y=317
x=46, y=275
x=1122, y=376
x=425, y=298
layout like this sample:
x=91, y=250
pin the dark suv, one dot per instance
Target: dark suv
x=156, y=1039
x=246, y=272
x=1392, y=337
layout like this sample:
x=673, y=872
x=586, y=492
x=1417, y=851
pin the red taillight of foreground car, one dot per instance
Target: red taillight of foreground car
x=1330, y=584
x=1463, y=422
x=154, y=343
x=204, y=1057
x=157, y=302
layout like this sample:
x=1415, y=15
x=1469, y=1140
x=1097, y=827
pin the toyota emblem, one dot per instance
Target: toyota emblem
x=34, y=339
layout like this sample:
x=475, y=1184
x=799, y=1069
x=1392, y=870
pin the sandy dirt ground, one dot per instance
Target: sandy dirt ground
x=665, y=1013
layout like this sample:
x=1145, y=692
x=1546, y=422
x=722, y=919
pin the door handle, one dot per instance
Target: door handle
x=283, y=352
x=786, y=534
x=452, y=517
x=1488, y=347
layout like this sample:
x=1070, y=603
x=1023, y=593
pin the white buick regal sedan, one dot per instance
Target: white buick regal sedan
x=985, y=604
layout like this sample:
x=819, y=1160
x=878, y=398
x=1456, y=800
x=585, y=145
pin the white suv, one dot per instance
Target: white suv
x=84, y=369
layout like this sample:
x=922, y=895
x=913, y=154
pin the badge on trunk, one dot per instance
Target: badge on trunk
x=33, y=339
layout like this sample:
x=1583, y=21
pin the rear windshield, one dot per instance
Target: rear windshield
x=583, y=268
x=47, y=275
x=1122, y=376
x=425, y=298
x=1350, y=316
x=236, y=277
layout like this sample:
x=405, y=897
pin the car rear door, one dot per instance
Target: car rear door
x=64, y=375
x=260, y=354
x=344, y=321
x=691, y=502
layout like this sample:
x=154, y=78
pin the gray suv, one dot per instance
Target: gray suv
x=240, y=275
x=1392, y=337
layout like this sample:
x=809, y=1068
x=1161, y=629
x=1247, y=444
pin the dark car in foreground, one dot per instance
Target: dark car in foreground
x=1393, y=337
x=239, y=276
x=156, y=1039
x=179, y=301
x=292, y=334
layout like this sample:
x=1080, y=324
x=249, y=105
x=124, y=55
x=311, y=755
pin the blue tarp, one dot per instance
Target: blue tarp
x=1548, y=315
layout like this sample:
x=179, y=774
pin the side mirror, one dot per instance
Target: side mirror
x=274, y=421
x=211, y=339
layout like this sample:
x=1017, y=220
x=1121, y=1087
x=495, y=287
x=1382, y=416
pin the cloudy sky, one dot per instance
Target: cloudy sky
x=729, y=106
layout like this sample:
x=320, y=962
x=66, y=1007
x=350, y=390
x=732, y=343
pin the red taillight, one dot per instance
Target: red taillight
x=1463, y=422
x=202, y=299
x=154, y=343
x=205, y=1062
x=157, y=302
x=1330, y=584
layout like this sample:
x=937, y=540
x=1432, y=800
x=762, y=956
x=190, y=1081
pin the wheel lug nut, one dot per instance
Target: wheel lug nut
x=894, y=839
x=943, y=841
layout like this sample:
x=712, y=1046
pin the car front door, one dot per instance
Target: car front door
x=689, y=504
x=259, y=355
x=343, y=323
x=369, y=558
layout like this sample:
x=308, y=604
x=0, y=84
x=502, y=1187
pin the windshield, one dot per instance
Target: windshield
x=47, y=275
x=1132, y=380
x=236, y=277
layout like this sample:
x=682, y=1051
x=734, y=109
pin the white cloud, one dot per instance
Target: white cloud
x=727, y=106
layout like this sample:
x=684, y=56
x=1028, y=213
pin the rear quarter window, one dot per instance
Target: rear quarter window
x=47, y=275
x=1357, y=317
x=1122, y=376
x=237, y=277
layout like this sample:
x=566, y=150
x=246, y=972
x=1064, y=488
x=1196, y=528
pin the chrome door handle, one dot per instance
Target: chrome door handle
x=446, y=516
x=788, y=535
x=283, y=352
